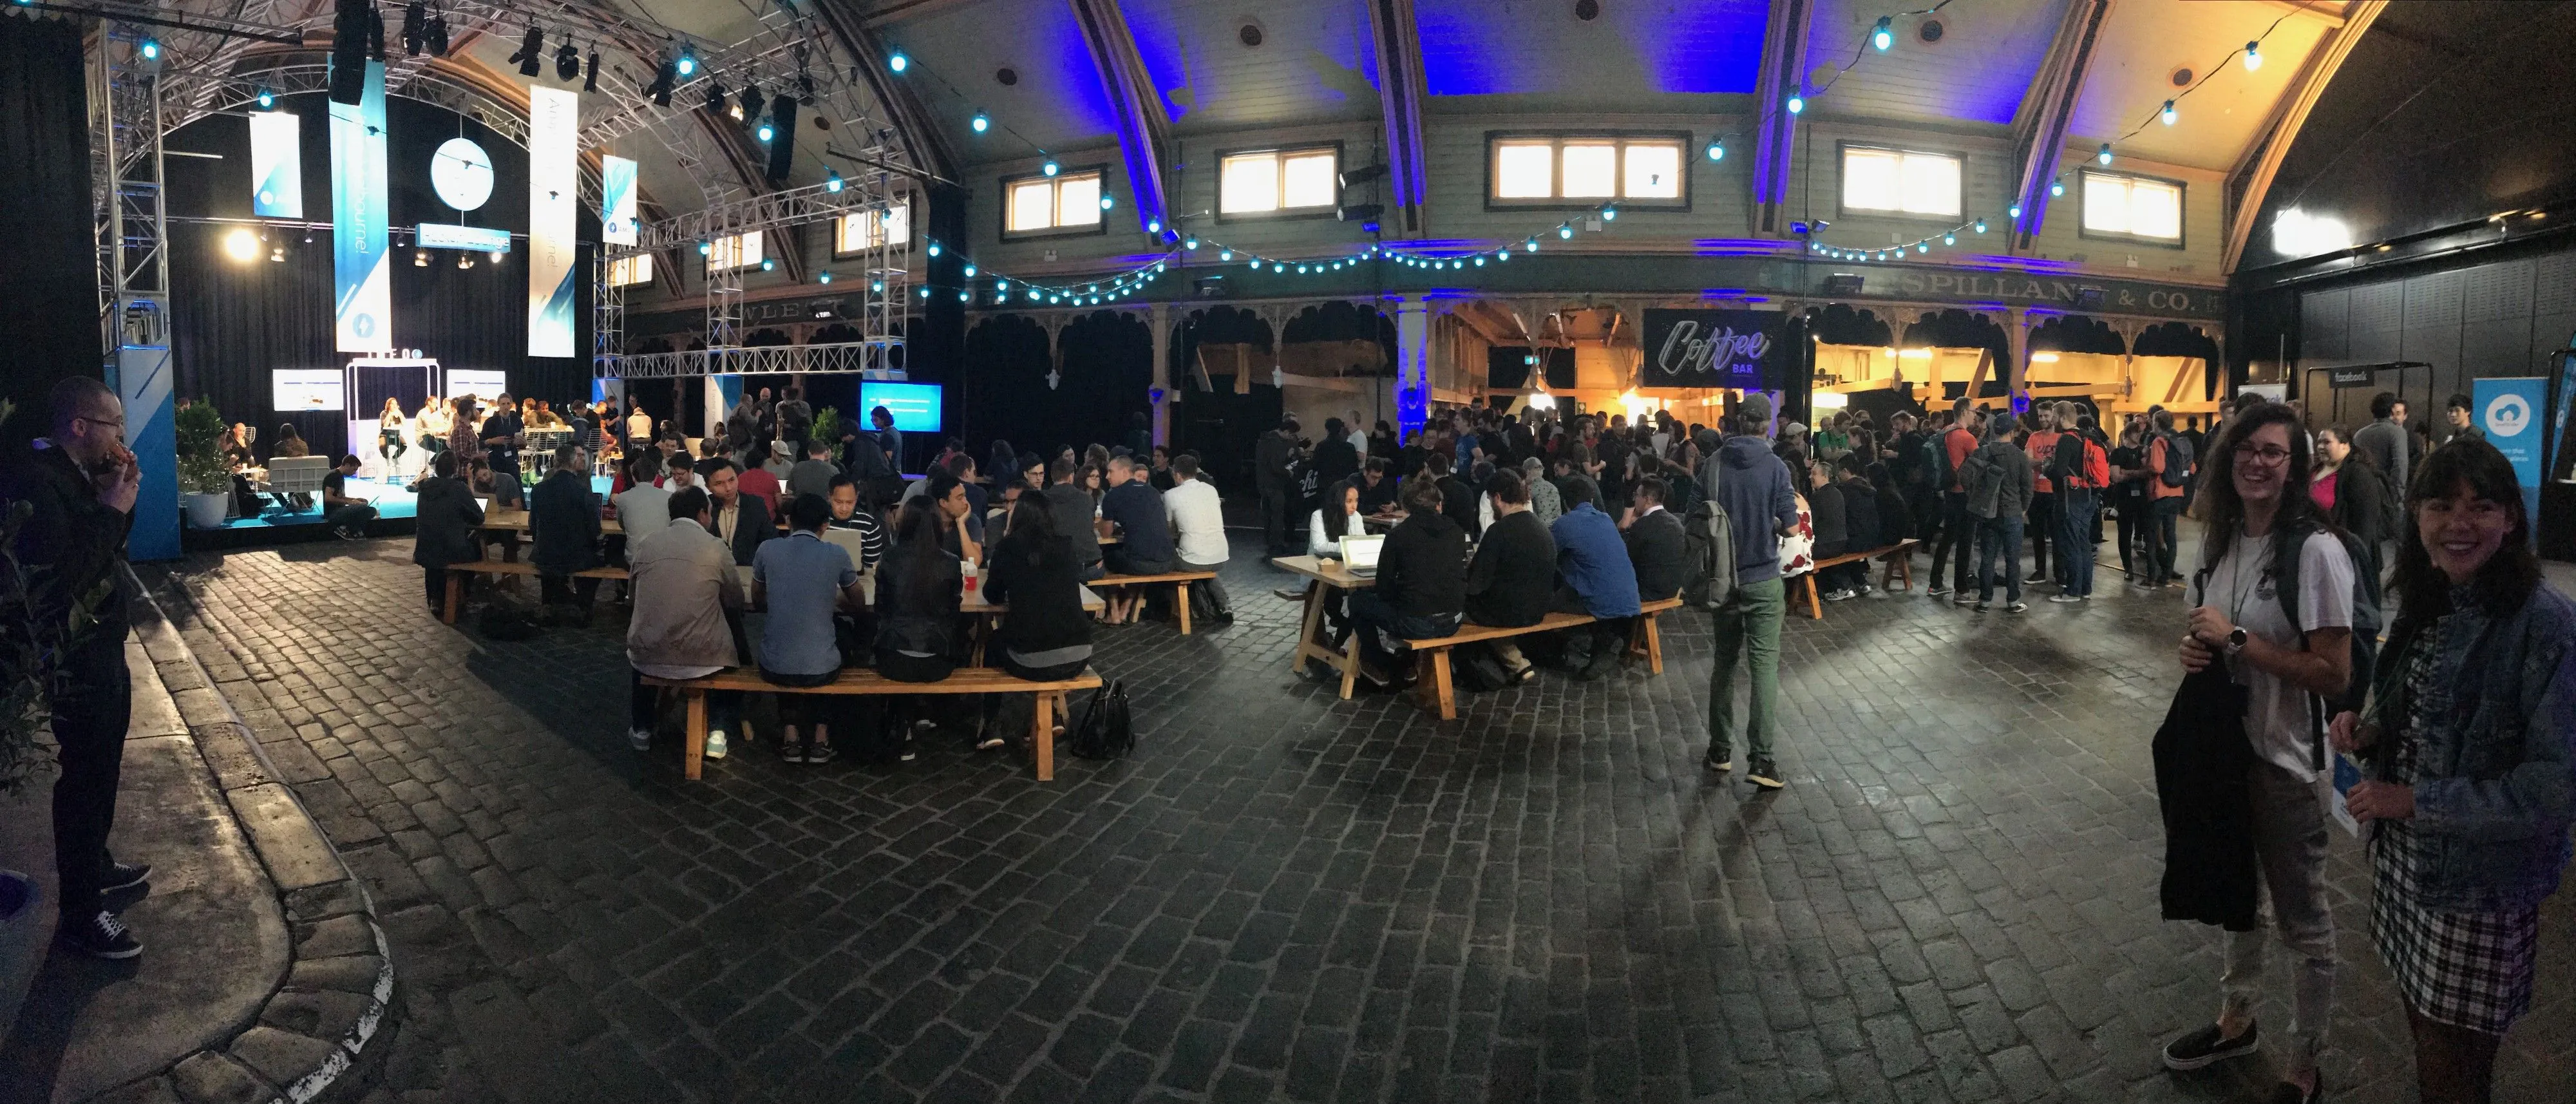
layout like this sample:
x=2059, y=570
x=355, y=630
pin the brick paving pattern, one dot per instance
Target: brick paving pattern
x=1285, y=896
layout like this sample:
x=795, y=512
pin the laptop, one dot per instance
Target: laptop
x=1359, y=554
x=849, y=541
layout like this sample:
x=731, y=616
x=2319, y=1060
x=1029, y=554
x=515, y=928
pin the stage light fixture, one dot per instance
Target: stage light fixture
x=1361, y=175
x=766, y=131
x=567, y=60
x=277, y=253
x=897, y=62
x=590, y=76
x=717, y=101
x=267, y=99
x=2253, y=56
x=981, y=122
x=464, y=261
x=151, y=49
x=1884, y=35
x=435, y=32
x=2169, y=115
x=415, y=33
x=663, y=77
x=532, y=52
x=752, y=101
x=420, y=258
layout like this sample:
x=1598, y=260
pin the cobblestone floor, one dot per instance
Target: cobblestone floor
x=1283, y=895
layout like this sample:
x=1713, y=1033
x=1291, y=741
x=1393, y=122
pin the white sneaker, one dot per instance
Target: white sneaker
x=639, y=738
x=716, y=744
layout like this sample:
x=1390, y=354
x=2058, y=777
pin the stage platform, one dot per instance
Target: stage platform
x=395, y=510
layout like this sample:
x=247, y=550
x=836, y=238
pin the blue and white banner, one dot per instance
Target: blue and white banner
x=364, y=305
x=276, y=165
x=617, y=201
x=2509, y=411
x=447, y=235
x=554, y=197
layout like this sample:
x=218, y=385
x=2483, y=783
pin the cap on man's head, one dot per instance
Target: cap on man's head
x=1756, y=407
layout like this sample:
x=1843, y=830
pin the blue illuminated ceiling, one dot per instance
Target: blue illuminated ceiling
x=1314, y=63
x=1523, y=47
x=1057, y=102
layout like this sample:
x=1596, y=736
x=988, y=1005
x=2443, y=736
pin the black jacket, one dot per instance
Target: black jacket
x=928, y=626
x=2202, y=759
x=751, y=527
x=1895, y=522
x=445, y=524
x=563, y=516
x=1422, y=569
x=1335, y=459
x=1655, y=552
x=74, y=531
x=1458, y=500
x=1045, y=596
x=1861, y=525
x=1825, y=515
x=1512, y=581
x=2361, y=502
x=1271, y=456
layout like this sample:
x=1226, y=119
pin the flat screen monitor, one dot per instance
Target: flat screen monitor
x=915, y=406
x=294, y=389
x=482, y=384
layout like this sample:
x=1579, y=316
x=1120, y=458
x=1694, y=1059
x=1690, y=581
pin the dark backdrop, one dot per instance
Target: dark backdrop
x=234, y=321
x=49, y=287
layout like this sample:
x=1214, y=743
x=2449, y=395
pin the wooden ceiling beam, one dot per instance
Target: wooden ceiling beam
x=911, y=119
x=1783, y=74
x=2039, y=126
x=1400, y=92
x=2252, y=178
x=1144, y=130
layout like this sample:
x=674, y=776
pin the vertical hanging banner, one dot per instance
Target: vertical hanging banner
x=359, y=239
x=554, y=196
x=617, y=201
x=276, y=165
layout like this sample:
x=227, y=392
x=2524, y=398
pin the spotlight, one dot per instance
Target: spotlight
x=832, y=182
x=1050, y=168
x=1362, y=175
x=415, y=32
x=2168, y=114
x=897, y=62
x=687, y=65
x=752, y=101
x=981, y=122
x=532, y=52
x=716, y=99
x=567, y=60
x=1884, y=35
x=2253, y=56
x=277, y=253
x=2104, y=156
x=465, y=260
x=664, y=76
x=151, y=49
x=590, y=77
x=267, y=99
x=1717, y=151
x=1797, y=104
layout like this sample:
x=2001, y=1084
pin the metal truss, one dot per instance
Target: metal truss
x=770, y=211
x=839, y=358
x=607, y=317
x=126, y=193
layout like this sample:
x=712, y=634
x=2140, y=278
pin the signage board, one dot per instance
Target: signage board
x=360, y=234
x=481, y=239
x=294, y=389
x=1712, y=348
x=616, y=200
x=276, y=165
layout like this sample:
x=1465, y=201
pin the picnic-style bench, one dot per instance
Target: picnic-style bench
x=1179, y=581
x=456, y=573
x=1433, y=653
x=965, y=680
x=1899, y=558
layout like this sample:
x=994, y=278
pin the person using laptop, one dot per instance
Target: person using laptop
x=1421, y=586
x=1512, y=581
x=858, y=520
x=347, y=517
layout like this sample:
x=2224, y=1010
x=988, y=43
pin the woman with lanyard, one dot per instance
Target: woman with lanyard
x=2254, y=488
x=2470, y=737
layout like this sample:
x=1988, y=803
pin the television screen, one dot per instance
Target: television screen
x=293, y=389
x=480, y=383
x=915, y=406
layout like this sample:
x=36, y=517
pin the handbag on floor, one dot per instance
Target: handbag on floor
x=1106, y=730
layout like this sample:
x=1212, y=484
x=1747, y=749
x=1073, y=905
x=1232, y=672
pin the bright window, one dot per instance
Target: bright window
x=629, y=271
x=736, y=251
x=1038, y=204
x=2129, y=206
x=865, y=230
x=1583, y=168
x=1268, y=181
x=1900, y=182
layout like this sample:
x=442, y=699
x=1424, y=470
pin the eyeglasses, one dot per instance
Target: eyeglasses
x=2268, y=457
x=118, y=424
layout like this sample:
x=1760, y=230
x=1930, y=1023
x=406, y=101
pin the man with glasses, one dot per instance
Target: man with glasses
x=80, y=486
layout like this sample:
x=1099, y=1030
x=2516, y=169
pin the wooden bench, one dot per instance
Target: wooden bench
x=1433, y=653
x=1180, y=581
x=1900, y=565
x=456, y=573
x=859, y=680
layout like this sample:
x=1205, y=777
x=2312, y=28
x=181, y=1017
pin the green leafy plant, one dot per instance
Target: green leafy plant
x=31, y=645
x=201, y=450
x=827, y=427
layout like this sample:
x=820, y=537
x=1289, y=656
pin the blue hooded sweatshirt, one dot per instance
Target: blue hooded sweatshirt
x=1753, y=486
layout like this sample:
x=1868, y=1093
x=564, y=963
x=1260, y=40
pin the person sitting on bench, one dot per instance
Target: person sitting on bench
x=1595, y=579
x=563, y=517
x=1861, y=531
x=446, y=520
x=684, y=586
x=919, y=584
x=1512, y=582
x=801, y=581
x=1421, y=589
x=1047, y=637
x=1144, y=533
x=1654, y=539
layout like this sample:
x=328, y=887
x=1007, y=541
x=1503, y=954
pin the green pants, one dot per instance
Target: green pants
x=1748, y=624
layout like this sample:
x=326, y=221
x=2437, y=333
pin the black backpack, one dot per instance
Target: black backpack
x=2366, y=623
x=2177, y=471
x=509, y=621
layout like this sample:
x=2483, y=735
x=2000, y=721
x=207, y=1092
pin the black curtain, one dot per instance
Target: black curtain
x=1108, y=368
x=1009, y=399
x=49, y=289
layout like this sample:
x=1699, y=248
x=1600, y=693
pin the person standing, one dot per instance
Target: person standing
x=2463, y=428
x=1335, y=458
x=2127, y=499
x=80, y=484
x=499, y=436
x=639, y=430
x=1957, y=536
x=2168, y=474
x=1997, y=477
x=2469, y=739
x=1198, y=524
x=1753, y=485
x=2041, y=448
x=2261, y=521
x=1272, y=458
x=795, y=419
x=890, y=439
x=2081, y=470
x=2384, y=439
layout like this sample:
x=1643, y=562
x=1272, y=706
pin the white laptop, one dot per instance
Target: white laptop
x=849, y=541
x=1359, y=554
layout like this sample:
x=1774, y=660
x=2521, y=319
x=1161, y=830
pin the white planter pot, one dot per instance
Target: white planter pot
x=206, y=511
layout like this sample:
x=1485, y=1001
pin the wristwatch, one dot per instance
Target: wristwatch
x=2236, y=640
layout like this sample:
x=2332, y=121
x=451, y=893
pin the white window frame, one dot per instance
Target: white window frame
x=1678, y=141
x=1057, y=227
x=2129, y=182
x=1842, y=183
x=1282, y=155
x=858, y=232
x=631, y=270
x=735, y=251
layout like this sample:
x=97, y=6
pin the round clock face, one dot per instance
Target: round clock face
x=461, y=173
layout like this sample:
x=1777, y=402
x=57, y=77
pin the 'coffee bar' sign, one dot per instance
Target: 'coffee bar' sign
x=1711, y=348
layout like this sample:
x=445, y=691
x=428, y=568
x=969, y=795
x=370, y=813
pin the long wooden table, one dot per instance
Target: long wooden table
x=1326, y=580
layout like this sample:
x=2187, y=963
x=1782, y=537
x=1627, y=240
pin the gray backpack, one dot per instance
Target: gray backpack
x=1708, y=544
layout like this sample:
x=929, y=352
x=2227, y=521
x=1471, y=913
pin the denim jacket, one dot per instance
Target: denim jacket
x=2495, y=785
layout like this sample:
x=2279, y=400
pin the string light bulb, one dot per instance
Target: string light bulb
x=1949, y=239
x=897, y=62
x=981, y=122
x=1225, y=254
x=2105, y=155
x=832, y=182
x=1565, y=231
x=1884, y=36
x=823, y=277
x=1609, y=214
x=1797, y=104
x=2013, y=211
x=1717, y=150
x=2169, y=115
x=970, y=272
x=1108, y=201
x=2056, y=188
x=1190, y=244
x=934, y=249
x=1050, y=168
x=1981, y=226
x=2253, y=56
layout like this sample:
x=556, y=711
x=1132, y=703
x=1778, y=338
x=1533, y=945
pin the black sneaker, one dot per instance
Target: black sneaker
x=791, y=752
x=100, y=936
x=1719, y=763
x=122, y=877
x=2206, y=1047
x=819, y=754
x=1764, y=774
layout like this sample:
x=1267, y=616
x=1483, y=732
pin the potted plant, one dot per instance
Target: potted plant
x=202, y=472
x=827, y=428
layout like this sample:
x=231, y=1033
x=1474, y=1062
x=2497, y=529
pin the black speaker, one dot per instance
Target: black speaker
x=352, y=28
x=782, y=138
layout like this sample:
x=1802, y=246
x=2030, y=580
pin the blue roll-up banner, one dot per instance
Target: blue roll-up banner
x=616, y=200
x=142, y=380
x=2509, y=410
x=359, y=238
x=554, y=197
x=276, y=165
